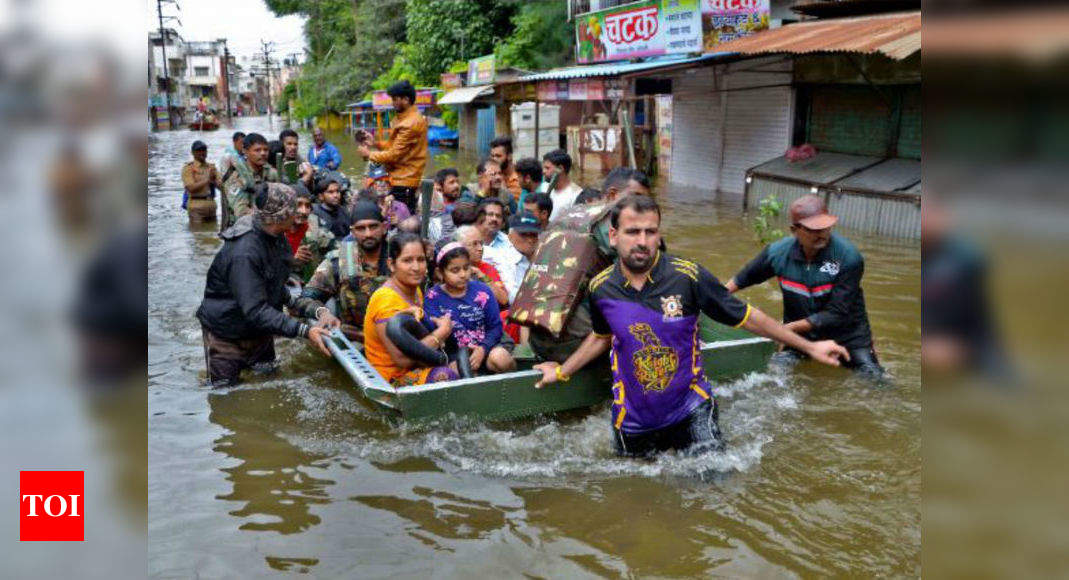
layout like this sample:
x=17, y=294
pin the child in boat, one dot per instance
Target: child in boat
x=399, y=347
x=471, y=307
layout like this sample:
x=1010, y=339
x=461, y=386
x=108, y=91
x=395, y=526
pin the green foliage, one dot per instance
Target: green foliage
x=768, y=210
x=543, y=38
x=442, y=32
x=357, y=46
x=350, y=43
x=450, y=117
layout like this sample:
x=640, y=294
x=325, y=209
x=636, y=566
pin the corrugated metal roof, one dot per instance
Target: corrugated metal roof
x=820, y=169
x=615, y=68
x=891, y=175
x=465, y=95
x=895, y=35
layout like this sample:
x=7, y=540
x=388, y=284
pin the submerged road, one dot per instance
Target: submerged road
x=822, y=472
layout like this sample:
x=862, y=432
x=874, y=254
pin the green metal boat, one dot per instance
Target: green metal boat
x=727, y=353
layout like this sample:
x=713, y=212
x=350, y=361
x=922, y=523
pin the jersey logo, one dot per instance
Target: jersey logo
x=672, y=307
x=830, y=268
x=655, y=364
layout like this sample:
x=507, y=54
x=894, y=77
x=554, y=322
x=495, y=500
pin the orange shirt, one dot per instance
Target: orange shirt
x=385, y=302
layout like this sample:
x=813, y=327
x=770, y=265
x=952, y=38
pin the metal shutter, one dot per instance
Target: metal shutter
x=759, y=120
x=696, y=118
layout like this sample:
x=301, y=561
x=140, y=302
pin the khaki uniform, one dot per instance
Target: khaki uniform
x=201, y=205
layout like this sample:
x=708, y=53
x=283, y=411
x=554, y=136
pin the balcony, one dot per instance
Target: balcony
x=203, y=80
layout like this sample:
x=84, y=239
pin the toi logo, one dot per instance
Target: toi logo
x=51, y=506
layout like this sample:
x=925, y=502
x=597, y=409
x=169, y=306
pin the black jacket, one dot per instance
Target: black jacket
x=826, y=292
x=336, y=220
x=246, y=286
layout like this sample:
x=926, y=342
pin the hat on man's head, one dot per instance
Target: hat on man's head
x=278, y=205
x=199, y=145
x=810, y=212
x=366, y=210
x=525, y=222
x=376, y=172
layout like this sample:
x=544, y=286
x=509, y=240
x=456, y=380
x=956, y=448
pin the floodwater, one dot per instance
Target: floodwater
x=296, y=473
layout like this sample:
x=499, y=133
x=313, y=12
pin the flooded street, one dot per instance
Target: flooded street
x=821, y=475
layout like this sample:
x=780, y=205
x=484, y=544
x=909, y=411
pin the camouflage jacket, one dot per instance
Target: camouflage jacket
x=239, y=186
x=343, y=275
x=320, y=241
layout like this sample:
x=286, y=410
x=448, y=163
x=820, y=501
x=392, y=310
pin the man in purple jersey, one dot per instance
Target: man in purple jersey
x=646, y=307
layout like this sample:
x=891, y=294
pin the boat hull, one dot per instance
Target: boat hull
x=726, y=354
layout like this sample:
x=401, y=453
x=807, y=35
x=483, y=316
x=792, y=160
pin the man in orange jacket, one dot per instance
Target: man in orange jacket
x=404, y=154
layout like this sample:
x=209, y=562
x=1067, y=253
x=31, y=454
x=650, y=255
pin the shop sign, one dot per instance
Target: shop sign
x=380, y=101
x=651, y=28
x=724, y=20
x=451, y=81
x=481, y=70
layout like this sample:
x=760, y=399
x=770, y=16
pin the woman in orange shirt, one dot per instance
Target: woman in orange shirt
x=423, y=360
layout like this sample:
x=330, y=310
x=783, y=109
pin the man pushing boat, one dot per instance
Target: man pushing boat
x=646, y=308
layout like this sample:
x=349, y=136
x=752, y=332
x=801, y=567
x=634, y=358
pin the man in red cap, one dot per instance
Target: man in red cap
x=819, y=274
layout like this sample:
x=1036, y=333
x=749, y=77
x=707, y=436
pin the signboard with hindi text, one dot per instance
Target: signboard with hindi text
x=651, y=28
x=724, y=20
x=450, y=81
x=481, y=70
x=380, y=101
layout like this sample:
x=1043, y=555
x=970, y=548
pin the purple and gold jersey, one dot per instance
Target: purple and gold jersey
x=656, y=354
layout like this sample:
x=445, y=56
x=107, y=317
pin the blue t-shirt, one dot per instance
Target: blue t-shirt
x=476, y=317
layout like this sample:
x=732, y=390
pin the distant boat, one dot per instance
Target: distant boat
x=442, y=136
x=204, y=125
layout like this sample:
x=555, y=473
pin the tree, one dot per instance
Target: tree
x=441, y=32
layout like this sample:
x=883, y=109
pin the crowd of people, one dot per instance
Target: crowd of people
x=523, y=255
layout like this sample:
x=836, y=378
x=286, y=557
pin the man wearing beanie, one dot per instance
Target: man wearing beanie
x=246, y=290
x=351, y=273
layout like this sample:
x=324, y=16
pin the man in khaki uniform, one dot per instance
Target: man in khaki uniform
x=199, y=177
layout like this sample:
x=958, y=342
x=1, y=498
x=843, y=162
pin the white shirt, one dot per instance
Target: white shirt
x=564, y=199
x=510, y=264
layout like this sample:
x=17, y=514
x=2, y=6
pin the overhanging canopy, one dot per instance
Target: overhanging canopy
x=895, y=35
x=465, y=95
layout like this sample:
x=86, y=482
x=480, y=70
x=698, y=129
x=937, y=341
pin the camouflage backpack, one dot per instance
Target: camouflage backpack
x=566, y=258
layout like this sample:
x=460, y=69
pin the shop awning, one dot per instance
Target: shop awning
x=614, y=68
x=896, y=35
x=465, y=95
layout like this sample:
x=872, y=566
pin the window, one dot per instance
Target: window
x=200, y=71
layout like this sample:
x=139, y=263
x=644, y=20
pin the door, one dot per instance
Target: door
x=484, y=130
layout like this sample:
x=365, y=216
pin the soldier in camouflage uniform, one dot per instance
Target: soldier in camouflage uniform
x=575, y=247
x=243, y=177
x=350, y=274
x=316, y=240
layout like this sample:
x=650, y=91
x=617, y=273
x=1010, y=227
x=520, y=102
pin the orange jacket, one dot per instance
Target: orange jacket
x=404, y=154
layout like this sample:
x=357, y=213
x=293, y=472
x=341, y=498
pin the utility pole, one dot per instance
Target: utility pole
x=267, y=48
x=226, y=76
x=166, y=75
